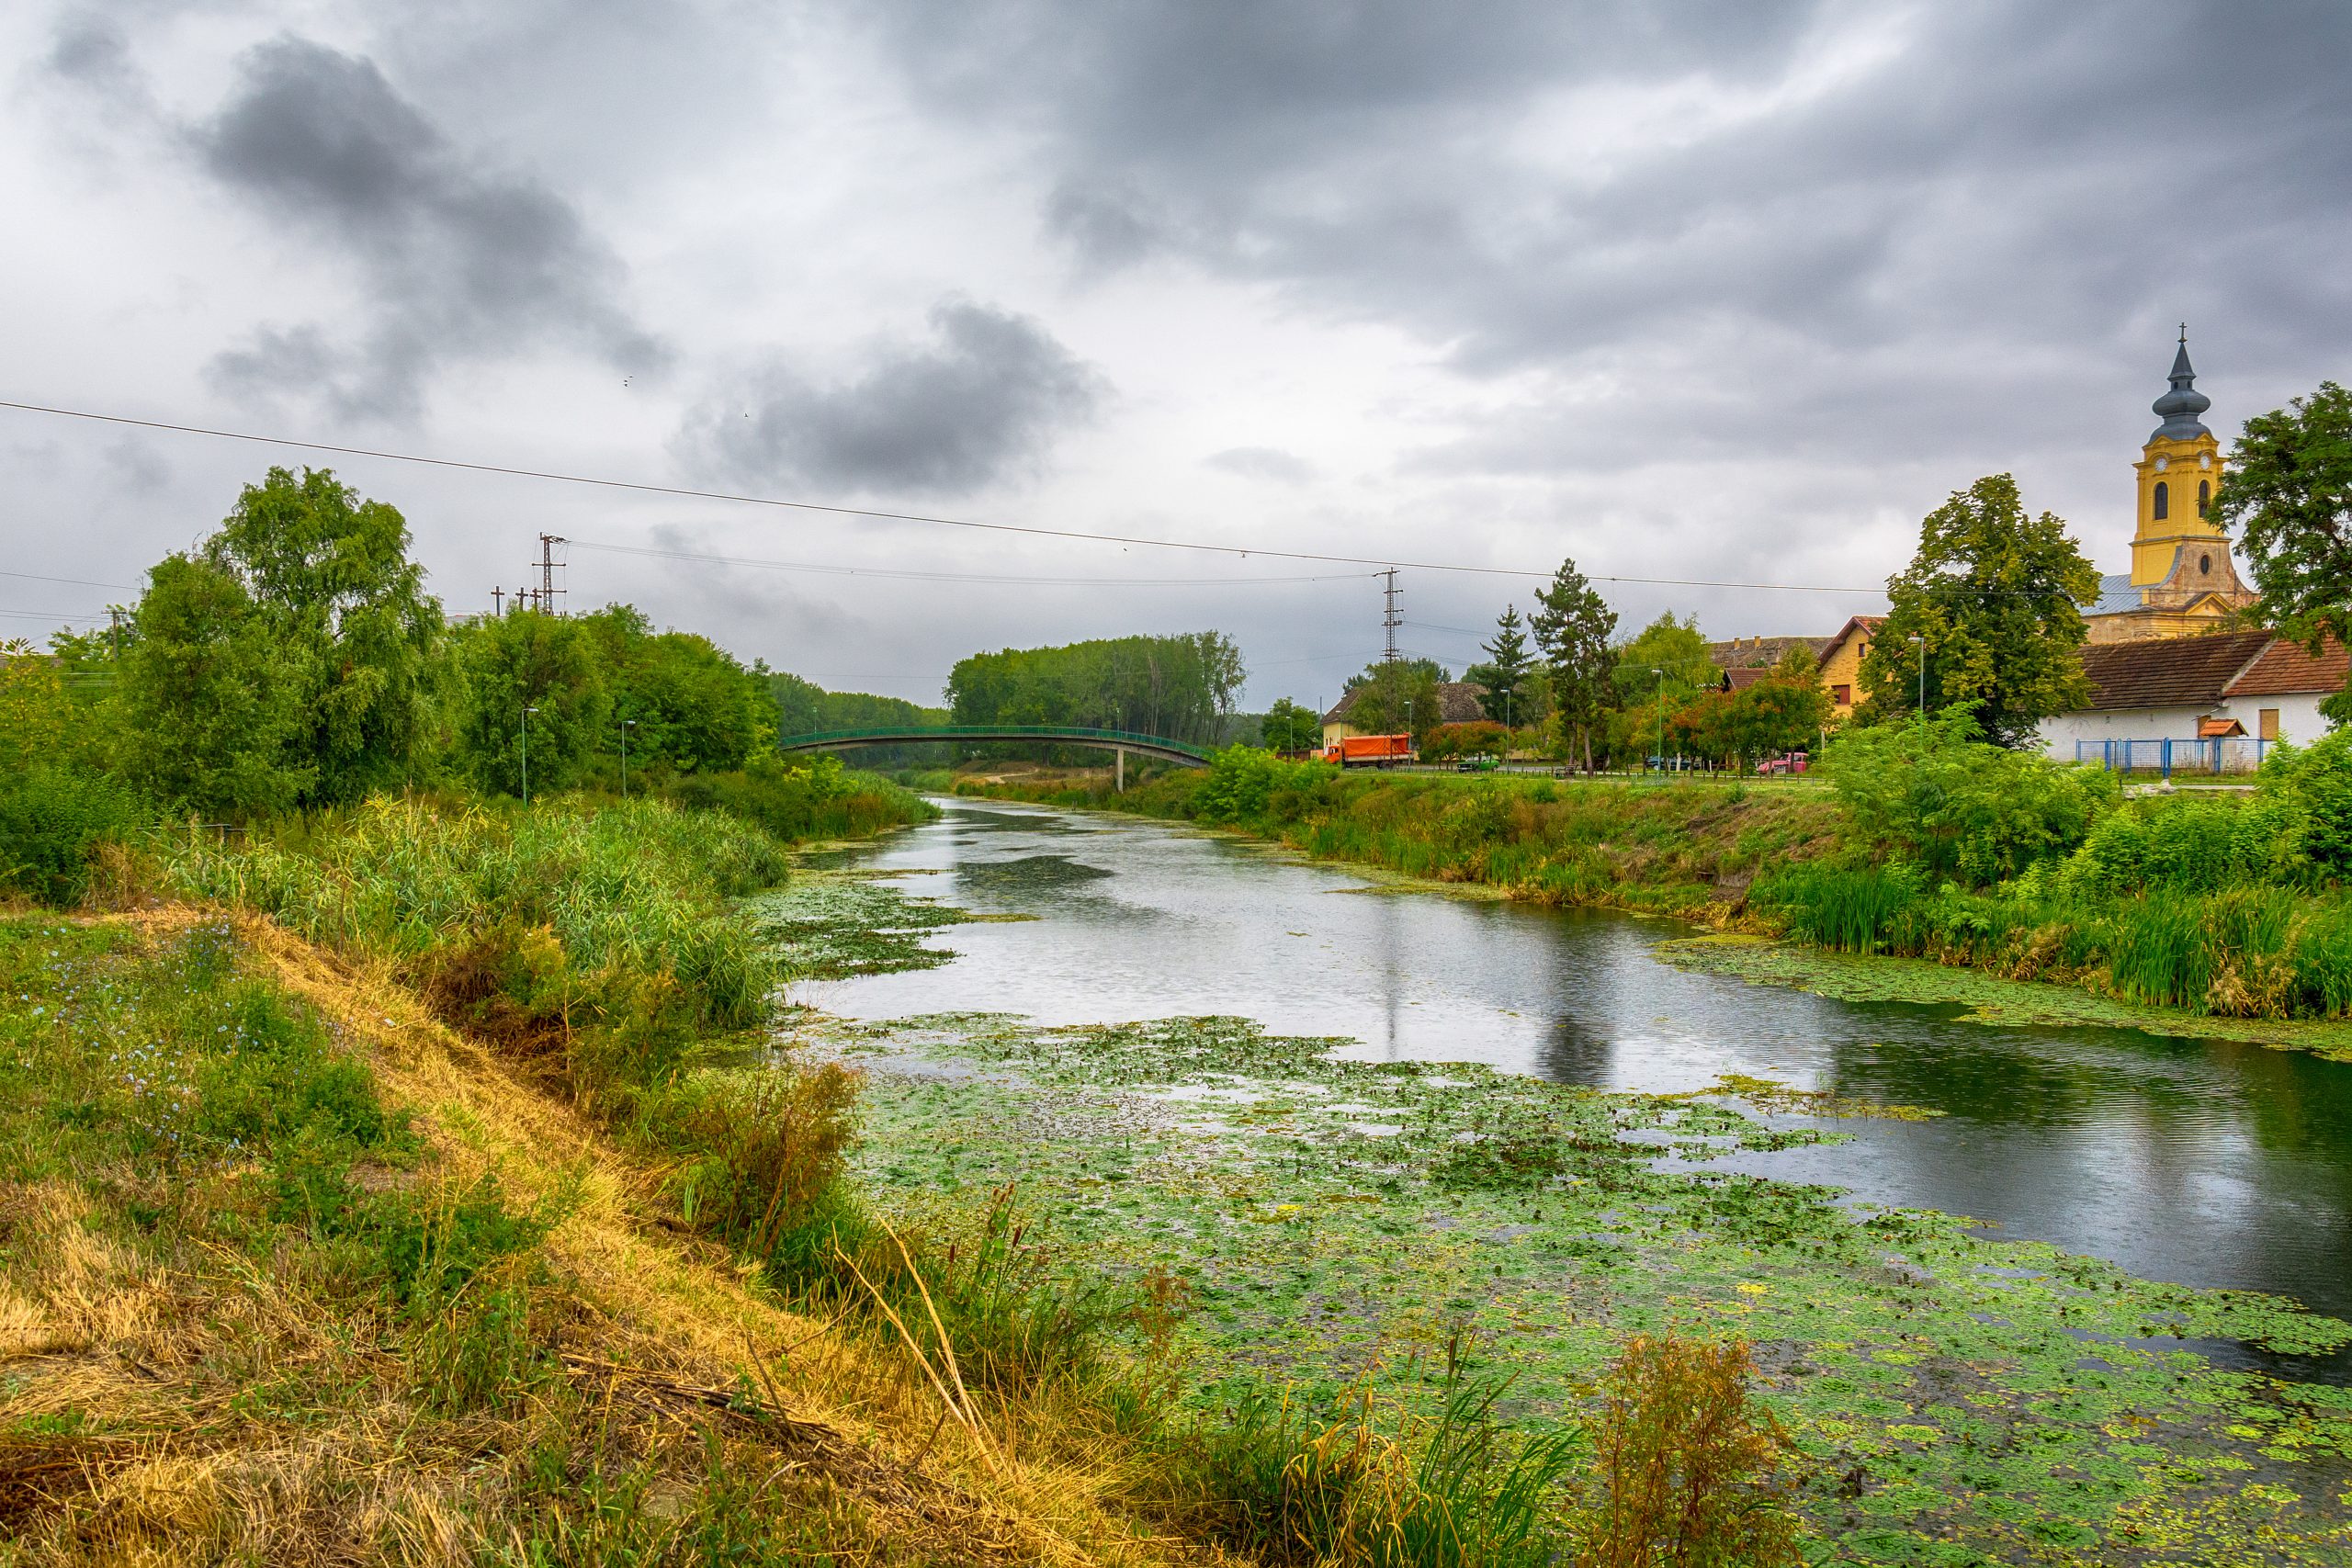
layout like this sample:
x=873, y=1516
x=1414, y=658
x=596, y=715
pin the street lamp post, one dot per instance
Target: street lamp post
x=526, y=754
x=1408, y=728
x=1921, y=644
x=1660, y=676
x=626, y=724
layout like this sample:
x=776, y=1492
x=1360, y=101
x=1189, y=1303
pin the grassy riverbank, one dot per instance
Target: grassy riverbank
x=417, y=1184
x=1691, y=849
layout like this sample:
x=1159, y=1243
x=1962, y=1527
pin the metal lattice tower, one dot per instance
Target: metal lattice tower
x=1389, y=619
x=548, y=567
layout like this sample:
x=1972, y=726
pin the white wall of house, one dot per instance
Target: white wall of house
x=2299, y=721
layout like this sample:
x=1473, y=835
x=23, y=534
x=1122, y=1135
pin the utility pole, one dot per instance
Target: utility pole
x=497, y=601
x=547, y=563
x=1389, y=619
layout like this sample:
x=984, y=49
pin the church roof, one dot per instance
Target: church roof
x=2116, y=596
x=2180, y=406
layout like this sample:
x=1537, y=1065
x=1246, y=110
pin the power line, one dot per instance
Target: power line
x=50, y=616
x=687, y=492
x=76, y=581
x=900, y=573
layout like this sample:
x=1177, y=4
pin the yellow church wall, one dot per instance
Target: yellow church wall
x=2182, y=466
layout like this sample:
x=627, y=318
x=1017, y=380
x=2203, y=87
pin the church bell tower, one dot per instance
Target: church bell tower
x=2178, y=470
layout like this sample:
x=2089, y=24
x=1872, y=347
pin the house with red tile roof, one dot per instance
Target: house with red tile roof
x=2223, y=685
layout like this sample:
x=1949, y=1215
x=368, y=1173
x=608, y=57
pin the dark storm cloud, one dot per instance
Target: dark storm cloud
x=461, y=258
x=2012, y=203
x=982, y=403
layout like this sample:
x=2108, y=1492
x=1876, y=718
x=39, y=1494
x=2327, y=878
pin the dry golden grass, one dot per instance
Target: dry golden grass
x=203, y=1412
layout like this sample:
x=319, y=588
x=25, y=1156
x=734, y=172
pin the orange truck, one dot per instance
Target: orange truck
x=1370, y=751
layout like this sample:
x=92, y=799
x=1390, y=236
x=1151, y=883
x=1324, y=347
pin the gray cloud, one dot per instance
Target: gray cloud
x=1848, y=198
x=1262, y=463
x=461, y=258
x=982, y=403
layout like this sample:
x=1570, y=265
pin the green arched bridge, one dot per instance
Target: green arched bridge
x=1183, y=753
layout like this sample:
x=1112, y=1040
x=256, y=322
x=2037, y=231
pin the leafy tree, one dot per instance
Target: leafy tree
x=1677, y=649
x=1573, y=625
x=1289, y=727
x=33, y=707
x=694, y=706
x=2288, y=495
x=1389, y=698
x=529, y=659
x=209, y=698
x=1784, y=712
x=354, y=632
x=1507, y=674
x=1997, y=595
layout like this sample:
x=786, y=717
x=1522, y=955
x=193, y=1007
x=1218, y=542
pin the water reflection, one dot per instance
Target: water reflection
x=2197, y=1161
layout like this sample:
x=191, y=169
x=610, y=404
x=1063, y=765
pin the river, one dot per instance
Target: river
x=2197, y=1161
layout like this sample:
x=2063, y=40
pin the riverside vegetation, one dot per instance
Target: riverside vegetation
x=416, y=1181
x=1923, y=840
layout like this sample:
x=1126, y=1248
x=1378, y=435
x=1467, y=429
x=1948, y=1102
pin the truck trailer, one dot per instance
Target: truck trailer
x=1370, y=751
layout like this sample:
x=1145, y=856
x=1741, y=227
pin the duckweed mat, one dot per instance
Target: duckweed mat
x=1987, y=998
x=1956, y=1399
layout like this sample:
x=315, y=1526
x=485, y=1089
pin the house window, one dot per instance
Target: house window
x=2267, y=724
x=2204, y=496
x=1842, y=696
x=2164, y=501
x=2205, y=564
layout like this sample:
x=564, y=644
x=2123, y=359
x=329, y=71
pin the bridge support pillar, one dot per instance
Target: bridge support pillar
x=1119, y=769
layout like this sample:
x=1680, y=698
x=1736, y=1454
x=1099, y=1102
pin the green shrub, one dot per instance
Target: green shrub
x=1931, y=792
x=50, y=819
x=1243, y=783
x=821, y=800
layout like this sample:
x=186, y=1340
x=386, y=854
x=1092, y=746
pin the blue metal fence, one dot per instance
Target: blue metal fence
x=2227, y=754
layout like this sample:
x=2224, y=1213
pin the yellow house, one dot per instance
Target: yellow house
x=1841, y=663
x=2182, y=579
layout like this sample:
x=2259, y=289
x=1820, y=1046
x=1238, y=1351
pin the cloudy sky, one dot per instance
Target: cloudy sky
x=1698, y=289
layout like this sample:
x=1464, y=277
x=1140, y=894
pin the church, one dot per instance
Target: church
x=2183, y=581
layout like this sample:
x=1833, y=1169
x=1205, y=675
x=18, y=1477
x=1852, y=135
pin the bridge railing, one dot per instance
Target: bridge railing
x=990, y=732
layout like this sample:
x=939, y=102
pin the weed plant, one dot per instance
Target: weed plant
x=594, y=940
x=1363, y=1488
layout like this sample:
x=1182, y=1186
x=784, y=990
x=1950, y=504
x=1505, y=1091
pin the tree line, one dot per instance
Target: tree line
x=1181, y=686
x=293, y=660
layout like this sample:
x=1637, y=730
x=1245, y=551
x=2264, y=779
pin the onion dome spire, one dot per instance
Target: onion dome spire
x=2179, y=407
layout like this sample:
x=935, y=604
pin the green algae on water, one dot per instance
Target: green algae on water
x=1957, y=1398
x=1987, y=998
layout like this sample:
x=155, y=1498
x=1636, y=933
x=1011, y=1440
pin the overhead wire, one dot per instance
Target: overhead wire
x=875, y=514
x=1008, y=579
x=76, y=581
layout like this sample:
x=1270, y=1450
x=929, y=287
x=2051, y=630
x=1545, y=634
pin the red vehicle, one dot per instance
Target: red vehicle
x=1794, y=762
x=1370, y=751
